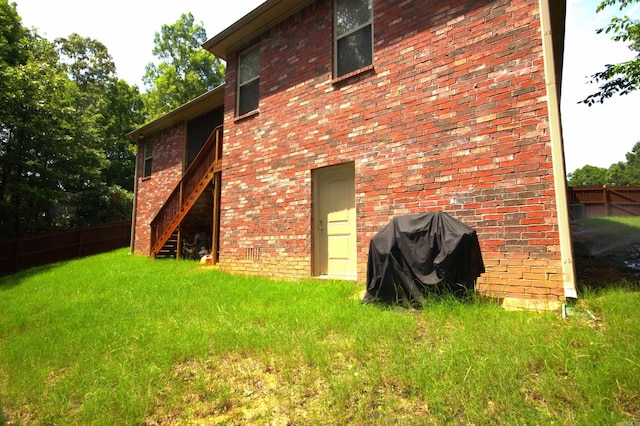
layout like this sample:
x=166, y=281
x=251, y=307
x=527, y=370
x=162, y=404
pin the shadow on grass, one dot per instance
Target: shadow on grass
x=15, y=279
x=606, y=253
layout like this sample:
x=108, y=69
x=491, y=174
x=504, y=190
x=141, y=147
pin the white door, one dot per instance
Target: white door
x=335, y=222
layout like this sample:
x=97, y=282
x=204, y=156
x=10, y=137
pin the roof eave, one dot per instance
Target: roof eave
x=558, y=23
x=253, y=24
x=204, y=103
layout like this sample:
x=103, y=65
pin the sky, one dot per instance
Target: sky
x=599, y=135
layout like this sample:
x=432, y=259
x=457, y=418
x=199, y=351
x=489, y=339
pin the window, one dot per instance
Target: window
x=148, y=157
x=353, y=35
x=248, y=80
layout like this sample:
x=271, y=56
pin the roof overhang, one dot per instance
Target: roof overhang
x=253, y=24
x=204, y=103
x=558, y=12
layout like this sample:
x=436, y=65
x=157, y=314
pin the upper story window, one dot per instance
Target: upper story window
x=248, y=80
x=353, y=35
x=148, y=159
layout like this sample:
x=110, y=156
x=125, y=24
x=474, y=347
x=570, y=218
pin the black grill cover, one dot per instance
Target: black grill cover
x=416, y=254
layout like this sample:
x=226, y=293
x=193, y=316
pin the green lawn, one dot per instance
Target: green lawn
x=613, y=230
x=120, y=339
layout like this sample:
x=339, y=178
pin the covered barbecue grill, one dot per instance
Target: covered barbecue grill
x=419, y=254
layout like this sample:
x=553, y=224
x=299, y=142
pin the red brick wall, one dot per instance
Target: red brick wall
x=452, y=118
x=166, y=171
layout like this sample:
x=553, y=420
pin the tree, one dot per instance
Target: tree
x=186, y=70
x=627, y=173
x=624, y=77
x=124, y=112
x=619, y=174
x=110, y=109
x=64, y=160
x=588, y=176
x=40, y=161
x=111, y=199
x=87, y=61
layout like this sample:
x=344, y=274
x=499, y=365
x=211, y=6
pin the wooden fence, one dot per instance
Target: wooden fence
x=590, y=201
x=24, y=253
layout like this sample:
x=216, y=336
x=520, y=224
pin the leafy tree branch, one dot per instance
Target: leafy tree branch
x=624, y=77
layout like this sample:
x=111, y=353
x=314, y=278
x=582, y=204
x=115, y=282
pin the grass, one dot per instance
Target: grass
x=119, y=339
x=613, y=226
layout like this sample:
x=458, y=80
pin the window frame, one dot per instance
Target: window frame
x=336, y=39
x=241, y=84
x=147, y=162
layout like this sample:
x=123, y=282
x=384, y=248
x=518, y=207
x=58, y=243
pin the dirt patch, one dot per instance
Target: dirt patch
x=239, y=390
x=246, y=389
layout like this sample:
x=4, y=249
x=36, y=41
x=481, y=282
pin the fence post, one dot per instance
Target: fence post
x=605, y=196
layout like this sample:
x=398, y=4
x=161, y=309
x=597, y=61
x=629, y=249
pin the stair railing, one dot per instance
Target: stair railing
x=193, y=182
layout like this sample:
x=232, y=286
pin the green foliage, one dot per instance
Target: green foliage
x=618, y=174
x=121, y=339
x=11, y=33
x=124, y=111
x=63, y=117
x=186, y=70
x=624, y=77
x=626, y=173
x=87, y=61
x=588, y=176
x=110, y=106
x=39, y=151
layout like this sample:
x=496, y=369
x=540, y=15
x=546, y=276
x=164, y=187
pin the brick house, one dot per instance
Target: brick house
x=338, y=115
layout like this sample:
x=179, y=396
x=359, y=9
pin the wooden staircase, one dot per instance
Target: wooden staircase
x=194, y=181
x=170, y=249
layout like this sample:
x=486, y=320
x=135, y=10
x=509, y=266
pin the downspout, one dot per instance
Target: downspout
x=557, y=152
x=135, y=200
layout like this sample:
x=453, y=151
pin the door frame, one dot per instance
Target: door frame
x=317, y=176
